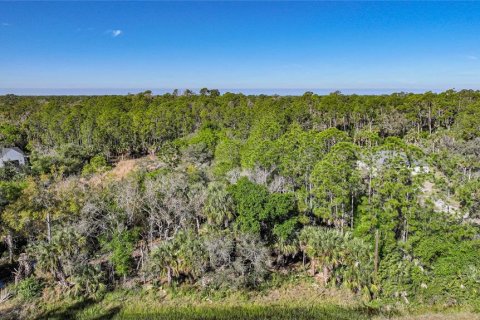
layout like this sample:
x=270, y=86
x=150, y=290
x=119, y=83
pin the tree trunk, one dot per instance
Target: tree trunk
x=198, y=224
x=351, y=218
x=343, y=217
x=312, y=267
x=430, y=120
x=9, y=241
x=169, y=276
x=326, y=274
x=25, y=268
x=150, y=232
x=49, y=228
x=369, y=185
x=280, y=260
x=60, y=275
x=377, y=240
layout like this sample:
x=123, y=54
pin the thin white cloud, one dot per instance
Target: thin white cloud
x=6, y=24
x=472, y=57
x=87, y=29
x=116, y=33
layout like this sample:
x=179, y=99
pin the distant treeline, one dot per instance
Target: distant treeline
x=137, y=124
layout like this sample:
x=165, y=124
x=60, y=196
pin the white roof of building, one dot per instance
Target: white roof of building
x=7, y=150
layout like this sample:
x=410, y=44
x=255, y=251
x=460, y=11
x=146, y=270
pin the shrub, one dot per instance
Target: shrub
x=88, y=282
x=29, y=288
x=121, y=247
x=97, y=164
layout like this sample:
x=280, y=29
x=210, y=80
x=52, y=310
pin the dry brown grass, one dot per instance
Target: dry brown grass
x=441, y=316
x=124, y=168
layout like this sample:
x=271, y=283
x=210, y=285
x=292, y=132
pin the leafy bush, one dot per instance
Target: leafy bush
x=260, y=212
x=184, y=254
x=88, y=282
x=343, y=259
x=97, y=164
x=68, y=158
x=121, y=246
x=29, y=288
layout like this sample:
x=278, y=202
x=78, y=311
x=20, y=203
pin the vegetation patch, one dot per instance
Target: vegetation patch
x=203, y=198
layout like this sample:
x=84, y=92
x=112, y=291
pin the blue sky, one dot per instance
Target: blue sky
x=255, y=45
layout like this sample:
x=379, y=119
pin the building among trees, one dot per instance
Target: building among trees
x=13, y=155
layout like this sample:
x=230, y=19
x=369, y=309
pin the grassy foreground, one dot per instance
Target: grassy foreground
x=212, y=312
x=290, y=301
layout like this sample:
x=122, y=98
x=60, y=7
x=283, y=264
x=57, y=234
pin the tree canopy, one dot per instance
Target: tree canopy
x=379, y=194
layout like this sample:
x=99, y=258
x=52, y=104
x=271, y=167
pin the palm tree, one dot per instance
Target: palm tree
x=181, y=255
x=308, y=240
x=219, y=205
x=163, y=260
x=49, y=260
x=325, y=247
x=329, y=251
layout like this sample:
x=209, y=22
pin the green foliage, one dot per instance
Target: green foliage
x=227, y=156
x=207, y=136
x=97, y=164
x=170, y=152
x=341, y=257
x=10, y=191
x=10, y=135
x=336, y=183
x=469, y=196
x=236, y=187
x=183, y=254
x=391, y=203
x=29, y=288
x=88, y=281
x=250, y=200
x=219, y=207
x=121, y=246
x=260, y=148
x=67, y=158
x=468, y=124
x=61, y=257
x=259, y=212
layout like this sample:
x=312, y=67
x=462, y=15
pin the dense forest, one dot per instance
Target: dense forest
x=378, y=194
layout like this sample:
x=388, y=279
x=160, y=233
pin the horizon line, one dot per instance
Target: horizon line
x=248, y=91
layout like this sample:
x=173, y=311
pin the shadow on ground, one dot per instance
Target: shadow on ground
x=74, y=310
